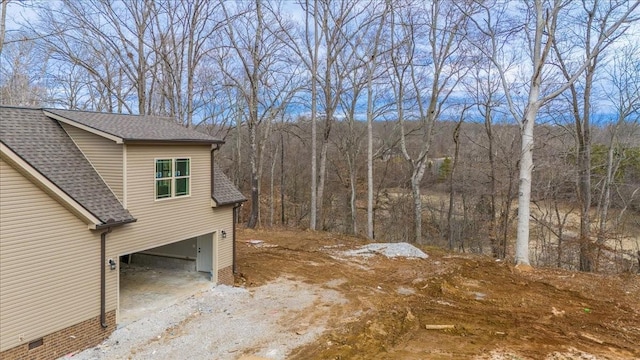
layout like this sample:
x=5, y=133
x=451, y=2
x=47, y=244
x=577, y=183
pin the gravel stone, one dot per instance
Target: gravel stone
x=225, y=322
x=389, y=250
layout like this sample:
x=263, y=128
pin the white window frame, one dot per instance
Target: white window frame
x=172, y=178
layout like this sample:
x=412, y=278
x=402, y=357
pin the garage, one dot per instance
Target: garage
x=153, y=279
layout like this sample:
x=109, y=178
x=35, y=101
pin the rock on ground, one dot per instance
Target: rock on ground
x=390, y=250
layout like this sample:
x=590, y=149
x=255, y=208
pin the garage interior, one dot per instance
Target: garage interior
x=156, y=278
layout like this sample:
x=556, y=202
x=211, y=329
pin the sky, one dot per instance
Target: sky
x=20, y=12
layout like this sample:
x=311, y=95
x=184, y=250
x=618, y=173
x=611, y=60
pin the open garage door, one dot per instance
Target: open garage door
x=153, y=279
x=194, y=254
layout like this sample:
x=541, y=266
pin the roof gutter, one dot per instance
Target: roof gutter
x=109, y=225
x=172, y=141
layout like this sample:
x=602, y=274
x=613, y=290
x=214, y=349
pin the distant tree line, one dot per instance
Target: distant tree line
x=501, y=127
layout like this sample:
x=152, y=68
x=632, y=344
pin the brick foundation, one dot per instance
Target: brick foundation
x=225, y=276
x=74, y=338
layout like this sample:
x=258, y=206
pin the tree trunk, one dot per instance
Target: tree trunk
x=507, y=212
x=282, y=216
x=370, y=155
x=371, y=66
x=416, y=179
x=271, y=186
x=584, y=186
x=142, y=63
x=417, y=209
x=314, y=135
x=456, y=140
x=253, y=159
x=3, y=22
x=496, y=250
x=322, y=174
x=253, y=121
x=238, y=145
x=526, y=171
x=352, y=202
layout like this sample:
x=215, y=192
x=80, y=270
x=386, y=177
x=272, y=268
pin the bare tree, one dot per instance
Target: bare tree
x=348, y=142
x=23, y=68
x=110, y=41
x=361, y=64
x=540, y=31
x=483, y=87
x=3, y=22
x=335, y=24
x=264, y=76
x=441, y=25
x=314, y=110
x=581, y=103
x=624, y=75
x=182, y=37
x=452, y=174
x=371, y=64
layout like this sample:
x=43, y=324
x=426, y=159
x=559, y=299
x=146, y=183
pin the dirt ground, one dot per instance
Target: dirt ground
x=449, y=306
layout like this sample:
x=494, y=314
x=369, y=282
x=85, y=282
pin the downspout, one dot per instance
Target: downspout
x=212, y=167
x=233, y=238
x=103, y=290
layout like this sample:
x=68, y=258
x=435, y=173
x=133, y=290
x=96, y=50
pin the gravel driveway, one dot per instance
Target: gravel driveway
x=225, y=322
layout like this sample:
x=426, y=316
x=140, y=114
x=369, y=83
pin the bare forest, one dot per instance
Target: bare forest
x=506, y=128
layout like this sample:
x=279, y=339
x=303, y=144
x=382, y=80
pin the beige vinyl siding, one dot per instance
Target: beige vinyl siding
x=225, y=246
x=161, y=222
x=50, y=275
x=105, y=156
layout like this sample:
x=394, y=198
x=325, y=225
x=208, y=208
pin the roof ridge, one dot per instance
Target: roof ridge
x=111, y=113
x=129, y=127
x=20, y=107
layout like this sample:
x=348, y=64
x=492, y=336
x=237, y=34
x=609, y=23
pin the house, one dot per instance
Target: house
x=81, y=190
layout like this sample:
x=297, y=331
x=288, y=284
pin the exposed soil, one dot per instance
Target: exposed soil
x=488, y=309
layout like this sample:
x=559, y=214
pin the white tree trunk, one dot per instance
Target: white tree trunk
x=314, y=106
x=371, y=69
x=416, y=180
x=370, y=163
x=352, y=202
x=323, y=175
x=417, y=208
x=526, y=172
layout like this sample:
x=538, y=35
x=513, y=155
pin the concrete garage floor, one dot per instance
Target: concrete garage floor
x=145, y=290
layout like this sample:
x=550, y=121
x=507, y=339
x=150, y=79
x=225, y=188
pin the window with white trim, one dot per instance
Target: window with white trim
x=173, y=177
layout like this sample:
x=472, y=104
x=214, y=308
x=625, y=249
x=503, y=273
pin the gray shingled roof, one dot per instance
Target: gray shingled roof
x=136, y=128
x=41, y=142
x=224, y=192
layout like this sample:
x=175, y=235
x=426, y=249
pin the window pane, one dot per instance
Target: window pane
x=182, y=187
x=163, y=168
x=163, y=189
x=182, y=167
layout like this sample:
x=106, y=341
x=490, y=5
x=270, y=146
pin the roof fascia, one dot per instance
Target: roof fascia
x=48, y=186
x=213, y=143
x=71, y=122
x=216, y=203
